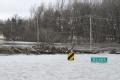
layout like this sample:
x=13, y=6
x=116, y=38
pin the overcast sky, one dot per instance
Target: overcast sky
x=8, y=8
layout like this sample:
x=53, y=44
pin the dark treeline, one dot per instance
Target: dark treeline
x=65, y=21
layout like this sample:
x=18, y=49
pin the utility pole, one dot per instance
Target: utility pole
x=90, y=19
x=11, y=23
x=37, y=30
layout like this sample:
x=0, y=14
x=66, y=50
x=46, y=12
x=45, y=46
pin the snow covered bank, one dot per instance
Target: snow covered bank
x=56, y=67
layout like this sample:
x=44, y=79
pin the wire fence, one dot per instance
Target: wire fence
x=72, y=31
x=104, y=33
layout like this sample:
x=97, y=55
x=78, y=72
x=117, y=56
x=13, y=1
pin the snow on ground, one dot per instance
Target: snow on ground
x=56, y=67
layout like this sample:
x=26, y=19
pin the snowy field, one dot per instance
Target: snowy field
x=56, y=67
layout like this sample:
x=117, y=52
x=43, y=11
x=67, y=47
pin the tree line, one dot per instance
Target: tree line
x=64, y=21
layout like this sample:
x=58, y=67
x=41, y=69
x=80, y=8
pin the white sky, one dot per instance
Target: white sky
x=9, y=8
